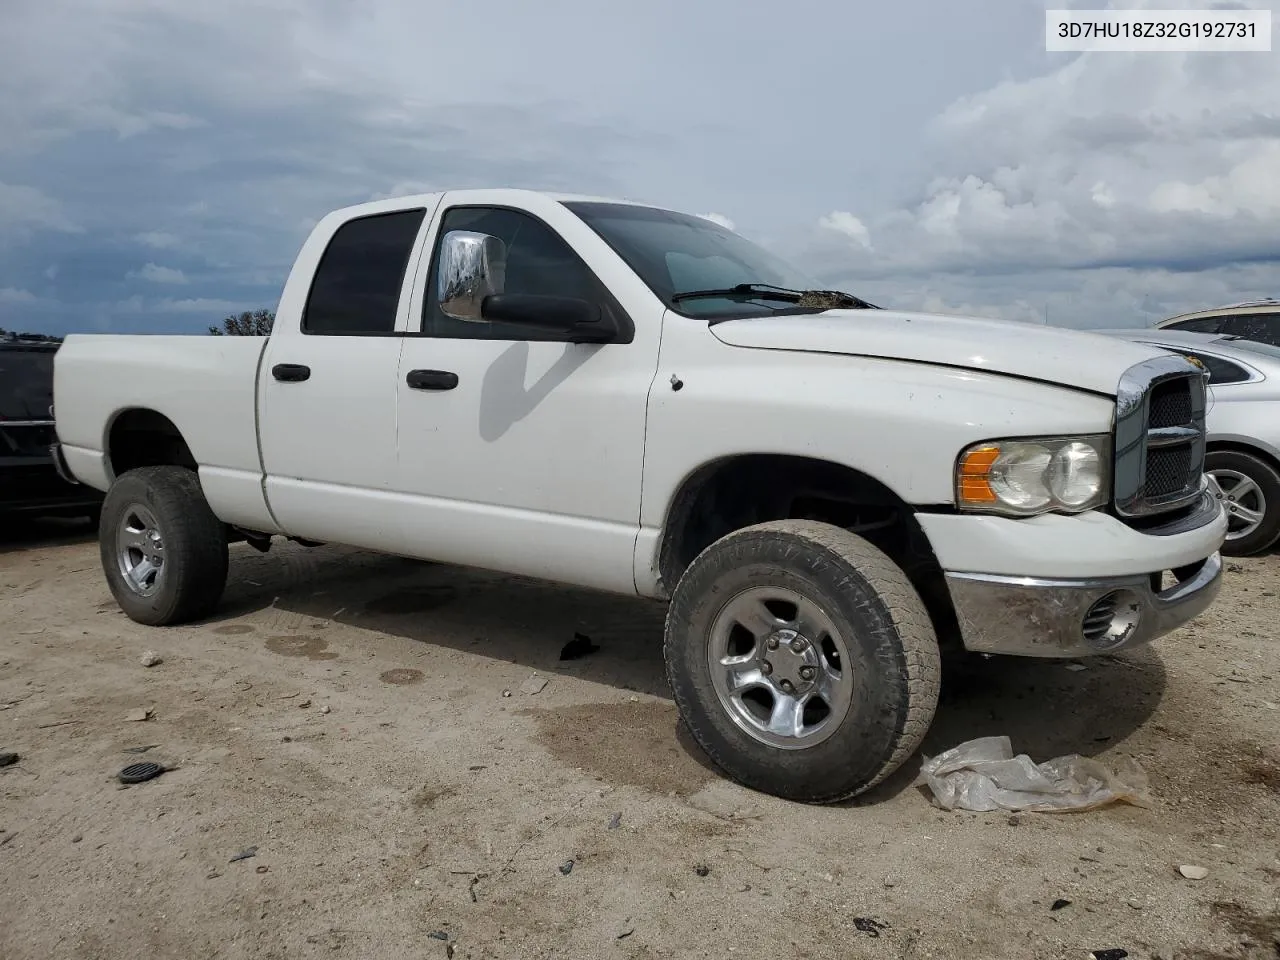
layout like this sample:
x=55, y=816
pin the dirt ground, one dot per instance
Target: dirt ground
x=365, y=723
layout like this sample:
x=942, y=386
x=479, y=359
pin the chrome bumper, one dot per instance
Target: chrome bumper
x=60, y=464
x=1032, y=617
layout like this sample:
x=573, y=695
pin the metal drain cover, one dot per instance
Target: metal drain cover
x=138, y=772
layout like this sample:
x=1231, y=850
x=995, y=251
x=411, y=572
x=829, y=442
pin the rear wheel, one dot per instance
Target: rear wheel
x=163, y=551
x=802, y=660
x=1249, y=489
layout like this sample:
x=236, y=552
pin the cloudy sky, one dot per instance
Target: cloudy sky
x=161, y=160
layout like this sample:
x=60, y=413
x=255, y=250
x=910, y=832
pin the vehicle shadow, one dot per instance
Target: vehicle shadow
x=1046, y=708
x=522, y=621
x=34, y=533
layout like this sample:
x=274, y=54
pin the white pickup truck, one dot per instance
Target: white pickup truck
x=626, y=398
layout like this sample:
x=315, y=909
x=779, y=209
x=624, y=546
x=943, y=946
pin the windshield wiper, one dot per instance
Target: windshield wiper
x=821, y=299
x=757, y=291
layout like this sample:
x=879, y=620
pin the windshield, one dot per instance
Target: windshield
x=675, y=253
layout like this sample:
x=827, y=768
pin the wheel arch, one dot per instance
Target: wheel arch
x=735, y=491
x=144, y=437
x=1231, y=443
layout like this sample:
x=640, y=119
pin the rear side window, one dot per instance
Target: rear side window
x=1262, y=327
x=1198, y=325
x=356, y=289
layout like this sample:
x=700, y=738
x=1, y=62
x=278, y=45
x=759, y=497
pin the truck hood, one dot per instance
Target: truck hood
x=1088, y=361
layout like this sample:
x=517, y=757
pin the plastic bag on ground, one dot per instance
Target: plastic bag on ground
x=984, y=775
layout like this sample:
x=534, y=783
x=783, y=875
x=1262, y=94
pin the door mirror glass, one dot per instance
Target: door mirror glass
x=472, y=266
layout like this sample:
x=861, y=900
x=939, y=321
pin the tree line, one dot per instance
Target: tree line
x=250, y=323
x=255, y=323
x=20, y=335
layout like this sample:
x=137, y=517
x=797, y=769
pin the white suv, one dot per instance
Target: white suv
x=1251, y=320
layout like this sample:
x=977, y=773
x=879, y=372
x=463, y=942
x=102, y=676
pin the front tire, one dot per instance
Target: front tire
x=1249, y=488
x=163, y=551
x=802, y=660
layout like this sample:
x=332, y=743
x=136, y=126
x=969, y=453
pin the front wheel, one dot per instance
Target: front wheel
x=802, y=660
x=1249, y=489
x=163, y=551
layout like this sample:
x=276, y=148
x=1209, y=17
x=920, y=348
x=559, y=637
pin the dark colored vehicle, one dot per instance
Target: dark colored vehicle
x=30, y=484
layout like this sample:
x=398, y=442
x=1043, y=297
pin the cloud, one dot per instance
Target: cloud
x=157, y=239
x=1107, y=176
x=221, y=135
x=10, y=295
x=23, y=208
x=988, y=176
x=846, y=223
x=719, y=218
x=152, y=273
x=203, y=306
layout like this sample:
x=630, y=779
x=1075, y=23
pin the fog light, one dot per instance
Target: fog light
x=1111, y=620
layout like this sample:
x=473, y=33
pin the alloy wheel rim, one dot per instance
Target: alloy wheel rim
x=780, y=668
x=1242, y=498
x=140, y=550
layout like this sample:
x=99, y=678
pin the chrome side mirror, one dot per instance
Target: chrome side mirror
x=472, y=266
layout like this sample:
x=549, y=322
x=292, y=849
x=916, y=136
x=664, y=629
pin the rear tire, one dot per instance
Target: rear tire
x=163, y=551
x=1248, y=483
x=822, y=719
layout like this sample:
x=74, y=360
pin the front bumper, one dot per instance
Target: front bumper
x=1038, y=617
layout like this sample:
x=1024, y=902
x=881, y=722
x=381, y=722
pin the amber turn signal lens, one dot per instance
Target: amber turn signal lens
x=973, y=482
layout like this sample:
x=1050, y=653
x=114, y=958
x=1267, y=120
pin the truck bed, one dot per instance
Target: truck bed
x=206, y=386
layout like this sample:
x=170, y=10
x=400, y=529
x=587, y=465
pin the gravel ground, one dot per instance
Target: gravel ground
x=369, y=728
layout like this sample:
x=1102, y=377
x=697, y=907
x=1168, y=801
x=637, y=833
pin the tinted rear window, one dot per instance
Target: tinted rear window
x=356, y=289
x=26, y=382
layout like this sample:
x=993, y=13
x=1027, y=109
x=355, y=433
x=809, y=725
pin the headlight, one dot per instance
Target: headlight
x=1025, y=477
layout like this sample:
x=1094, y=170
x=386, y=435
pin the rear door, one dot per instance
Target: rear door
x=327, y=402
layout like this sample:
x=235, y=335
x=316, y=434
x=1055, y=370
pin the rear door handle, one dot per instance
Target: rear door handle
x=291, y=372
x=431, y=380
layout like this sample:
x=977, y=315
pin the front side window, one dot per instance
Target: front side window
x=539, y=261
x=676, y=253
x=356, y=289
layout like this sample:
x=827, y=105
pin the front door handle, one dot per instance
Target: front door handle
x=291, y=372
x=431, y=380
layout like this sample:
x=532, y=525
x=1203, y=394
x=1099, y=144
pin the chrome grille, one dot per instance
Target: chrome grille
x=1160, y=437
x=1167, y=472
x=1170, y=404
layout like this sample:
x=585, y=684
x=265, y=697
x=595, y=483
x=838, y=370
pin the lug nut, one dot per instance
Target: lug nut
x=787, y=687
x=772, y=643
x=806, y=673
x=766, y=667
x=798, y=645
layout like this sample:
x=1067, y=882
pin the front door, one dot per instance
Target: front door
x=520, y=450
